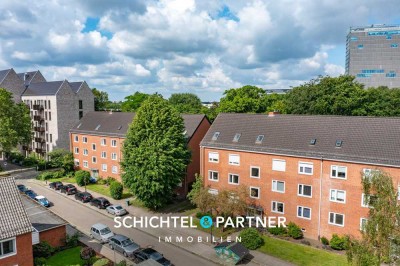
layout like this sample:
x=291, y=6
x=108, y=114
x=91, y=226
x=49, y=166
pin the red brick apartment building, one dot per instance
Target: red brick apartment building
x=305, y=168
x=96, y=143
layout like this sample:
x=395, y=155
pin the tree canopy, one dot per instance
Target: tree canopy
x=155, y=153
x=100, y=99
x=133, y=102
x=186, y=103
x=15, y=122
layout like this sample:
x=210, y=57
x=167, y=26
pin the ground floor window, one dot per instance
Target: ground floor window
x=8, y=247
x=304, y=212
x=278, y=207
x=336, y=219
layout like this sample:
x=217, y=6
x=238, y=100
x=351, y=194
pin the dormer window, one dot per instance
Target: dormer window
x=97, y=128
x=216, y=135
x=119, y=128
x=338, y=143
x=313, y=141
x=236, y=137
x=259, y=139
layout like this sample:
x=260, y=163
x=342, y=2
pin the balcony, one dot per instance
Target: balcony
x=40, y=140
x=26, y=148
x=39, y=150
x=38, y=118
x=39, y=129
x=38, y=107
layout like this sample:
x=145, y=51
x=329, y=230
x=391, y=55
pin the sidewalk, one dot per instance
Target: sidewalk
x=203, y=249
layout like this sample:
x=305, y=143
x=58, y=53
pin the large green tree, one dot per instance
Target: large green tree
x=100, y=99
x=155, y=153
x=247, y=99
x=186, y=103
x=381, y=234
x=15, y=122
x=134, y=101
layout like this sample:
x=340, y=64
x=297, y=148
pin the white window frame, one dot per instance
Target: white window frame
x=105, y=155
x=278, y=161
x=259, y=192
x=229, y=179
x=362, y=201
x=113, y=141
x=275, y=186
x=76, y=162
x=213, y=157
x=337, y=171
x=103, y=142
x=259, y=172
x=84, y=139
x=336, y=195
x=233, y=162
x=94, y=159
x=114, y=169
x=104, y=169
x=302, y=190
x=276, y=205
x=85, y=164
x=303, y=165
x=213, y=191
x=76, y=138
x=335, y=214
x=76, y=150
x=114, y=156
x=14, y=240
x=361, y=223
x=302, y=212
x=85, y=152
x=212, y=179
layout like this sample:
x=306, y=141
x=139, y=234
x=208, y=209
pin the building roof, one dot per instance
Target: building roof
x=76, y=86
x=14, y=219
x=237, y=248
x=369, y=140
x=3, y=74
x=41, y=218
x=43, y=88
x=30, y=75
x=117, y=123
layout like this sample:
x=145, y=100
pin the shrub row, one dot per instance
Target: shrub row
x=337, y=242
x=51, y=175
x=291, y=230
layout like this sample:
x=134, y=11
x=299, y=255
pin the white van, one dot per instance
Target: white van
x=101, y=232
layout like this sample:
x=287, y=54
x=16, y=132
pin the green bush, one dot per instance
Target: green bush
x=72, y=241
x=339, y=243
x=39, y=261
x=251, y=238
x=116, y=190
x=59, y=173
x=110, y=180
x=324, y=241
x=15, y=156
x=101, y=181
x=102, y=262
x=82, y=177
x=42, y=250
x=121, y=263
x=294, y=231
x=278, y=231
x=29, y=161
x=45, y=176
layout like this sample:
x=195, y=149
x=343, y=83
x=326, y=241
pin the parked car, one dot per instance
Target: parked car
x=149, y=253
x=42, y=201
x=123, y=245
x=30, y=193
x=22, y=188
x=117, y=210
x=101, y=232
x=83, y=196
x=68, y=189
x=100, y=203
x=56, y=185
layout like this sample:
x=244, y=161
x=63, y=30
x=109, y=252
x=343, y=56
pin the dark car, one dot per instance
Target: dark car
x=30, y=193
x=68, y=189
x=22, y=188
x=100, y=203
x=56, y=185
x=149, y=253
x=83, y=196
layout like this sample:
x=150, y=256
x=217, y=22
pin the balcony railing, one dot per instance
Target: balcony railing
x=26, y=148
x=39, y=129
x=41, y=140
x=38, y=107
x=38, y=118
x=39, y=150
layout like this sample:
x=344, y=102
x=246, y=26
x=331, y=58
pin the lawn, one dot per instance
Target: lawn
x=300, y=254
x=67, y=257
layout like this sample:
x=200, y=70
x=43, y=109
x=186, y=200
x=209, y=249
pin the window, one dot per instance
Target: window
x=213, y=157
x=360, y=46
x=103, y=142
x=367, y=200
x=213, y=191
x=391, y=75
x=304, y=190
x=336, y=219
x=97, y=128
x=51, y=137
x=234, y=159
x=236, y=137
x=215, y=136
x=278, y=186
x=49, y=116
x=304, y=212
x=113, y=143
x=76, y=149
x=113, y=156
x=8, y=247
x=84, y=139
x=93, y=146
x=76, y=162
x=254, y=172
x=337, y=195
x=233, y=179
x=114, y=169
x=80, y=114
x=104, y=167
x=338, y=171
x=85, y=152
x=94, y=159
x=259, y=139
x=313, y=141
x=277, y=207
x=80, y=104
x=279, y=165
x=76, y=139
x=49, y=105
x=255, y=192
x=338, y=143
x=213, y=175
x=103, y=155
x=45, y=115
x=306, y=168
x=363, y=224
x=394, y=45
x=85, y=164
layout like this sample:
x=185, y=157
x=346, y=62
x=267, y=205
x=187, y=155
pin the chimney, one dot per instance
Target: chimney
x=272, y=114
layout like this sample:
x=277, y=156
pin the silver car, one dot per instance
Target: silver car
x=101, y=232
x=123, y=245
x=116, y=210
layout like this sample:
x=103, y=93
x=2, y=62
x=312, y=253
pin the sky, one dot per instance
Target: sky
x=173, y=46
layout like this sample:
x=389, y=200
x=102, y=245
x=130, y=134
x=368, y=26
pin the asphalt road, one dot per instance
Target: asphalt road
x=83, y=218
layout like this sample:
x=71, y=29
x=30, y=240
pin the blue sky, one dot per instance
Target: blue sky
x=171, y=46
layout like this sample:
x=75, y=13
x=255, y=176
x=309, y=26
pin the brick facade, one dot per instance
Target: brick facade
x=24, y=255
x=55, y=236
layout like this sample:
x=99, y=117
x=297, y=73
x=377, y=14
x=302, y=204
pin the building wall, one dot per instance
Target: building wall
x=85, y=94
x=55, y=237
x=320, y=180
x=13, y=84
x=38, y=77
x=24, y=256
